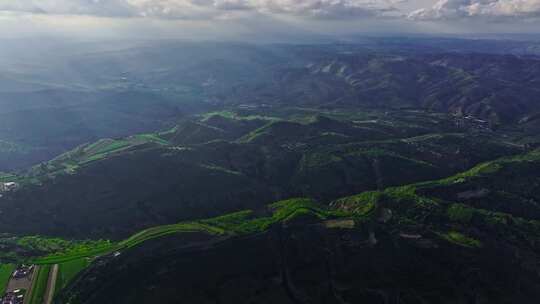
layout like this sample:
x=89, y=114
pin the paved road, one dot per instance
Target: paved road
x=29, y=290
x=22, y=283
x=51, y=285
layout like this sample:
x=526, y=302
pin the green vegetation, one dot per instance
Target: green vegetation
x=5, y=274
x=243, y=222
x=246, y=222
x=40, y=284
x=460, y=213
x=412, y=207
x=70, y=162
x=485, y=169
x=77, y=252
x=161, y=231
x=154, y=138
x=7, y=177
x=461, y=239
x=50, y=244
x=311, y=155
x=259, y=150
x=9, y=147
x=68, y=270
x=360, y=205
x=402, y=193
x=410, y=203
x=259, y=132
x=235, y=115
x=324, y=154
x=318, y=160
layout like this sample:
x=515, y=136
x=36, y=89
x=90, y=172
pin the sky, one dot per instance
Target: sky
x=234, y=19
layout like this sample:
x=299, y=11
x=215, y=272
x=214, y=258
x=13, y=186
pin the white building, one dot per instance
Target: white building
x=9, y=186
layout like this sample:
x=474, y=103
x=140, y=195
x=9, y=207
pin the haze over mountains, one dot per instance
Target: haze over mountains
x=79, y=92
x=366, y=170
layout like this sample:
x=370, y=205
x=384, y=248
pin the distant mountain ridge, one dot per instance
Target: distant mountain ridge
x=129, y=88
x=500, y=89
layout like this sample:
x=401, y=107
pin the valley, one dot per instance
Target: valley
x=386, y=171
x=179, y=79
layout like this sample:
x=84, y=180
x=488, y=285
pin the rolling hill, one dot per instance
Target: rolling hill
x=362, y=248
x=215, y=164
x=77, y=93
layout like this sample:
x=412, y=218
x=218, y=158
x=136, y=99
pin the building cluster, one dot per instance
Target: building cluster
x=22, y=271
x=472, y=123
x=17, y=296
x=9, y=186
x=14, y=297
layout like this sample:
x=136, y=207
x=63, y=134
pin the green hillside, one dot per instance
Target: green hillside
x=408, y=215
x=221, y=163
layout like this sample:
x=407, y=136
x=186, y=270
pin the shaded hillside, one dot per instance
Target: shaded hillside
x=401, y=245
x=50, y=122
x=114, y=187
x=51, y=102
x=304, y=264
x=500, y=89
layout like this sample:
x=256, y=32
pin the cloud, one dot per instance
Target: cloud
x=326, y=8
x=486, y=9
x=203, y=9
x=110, y=8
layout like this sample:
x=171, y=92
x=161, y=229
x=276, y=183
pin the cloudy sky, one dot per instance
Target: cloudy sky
x=252, y=17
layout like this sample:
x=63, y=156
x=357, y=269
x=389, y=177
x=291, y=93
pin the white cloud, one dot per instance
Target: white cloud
x=301, y=9
x=203, y=9
x=487, y=9
x=69, y=7
x=326, y=8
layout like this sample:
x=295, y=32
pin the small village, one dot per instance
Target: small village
x=19, y=285
x=8, y=186
x=14, y=297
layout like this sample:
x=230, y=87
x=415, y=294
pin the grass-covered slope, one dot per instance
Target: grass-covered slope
x=70, y=162
x=67, y=271
x=495, y=202
x=235, y=224
x=74, y=256
x=5, y=274
x=403, y=243
x=113, y=188
x=426, y=215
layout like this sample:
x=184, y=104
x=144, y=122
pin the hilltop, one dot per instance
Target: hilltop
x=224, y=162
x=148, y=87
x=301, y=250
x=443, y=229
x=382, y=171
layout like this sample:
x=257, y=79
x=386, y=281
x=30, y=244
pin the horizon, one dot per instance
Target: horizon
x=247, y=20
